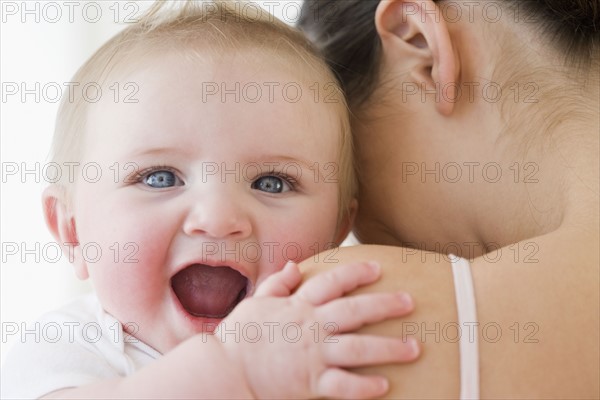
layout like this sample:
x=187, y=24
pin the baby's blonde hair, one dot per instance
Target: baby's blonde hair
x=218, y=26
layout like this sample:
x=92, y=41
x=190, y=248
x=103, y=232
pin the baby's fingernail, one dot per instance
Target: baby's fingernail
x=405, y=299
x=412, y=347
x=383, y=385
x=374, y=265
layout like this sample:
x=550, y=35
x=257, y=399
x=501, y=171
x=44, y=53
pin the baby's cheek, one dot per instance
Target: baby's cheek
x=129, y=290
x=131, y=259
x=306, y=241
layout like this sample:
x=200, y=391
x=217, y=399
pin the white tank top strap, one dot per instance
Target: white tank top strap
x=467, y=318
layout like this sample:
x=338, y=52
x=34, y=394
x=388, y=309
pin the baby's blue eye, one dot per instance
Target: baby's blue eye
x=161, y=179
x=271, y=184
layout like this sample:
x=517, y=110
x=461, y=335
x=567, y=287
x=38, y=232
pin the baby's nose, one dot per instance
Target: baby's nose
x=218, y=217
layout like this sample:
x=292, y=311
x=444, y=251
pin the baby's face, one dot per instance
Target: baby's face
x=202, y=196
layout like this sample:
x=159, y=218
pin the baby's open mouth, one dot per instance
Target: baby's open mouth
x=209, y=292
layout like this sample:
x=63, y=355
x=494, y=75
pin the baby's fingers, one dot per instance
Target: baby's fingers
x=334, y=283
x=340, y=384
x=281, y=283
x=352, y=312
x=363, y=350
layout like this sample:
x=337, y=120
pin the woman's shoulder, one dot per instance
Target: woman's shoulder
x=538, y=313
x=435, y=374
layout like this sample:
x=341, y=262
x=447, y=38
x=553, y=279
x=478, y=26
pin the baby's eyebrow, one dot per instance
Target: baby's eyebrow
x=283, y=159
x=273, y=158
x=266, y=160
x=154, y=151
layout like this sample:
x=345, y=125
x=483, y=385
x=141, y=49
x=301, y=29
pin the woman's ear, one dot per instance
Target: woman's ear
x=61, y=224
x=415, y=39
x=346, y=224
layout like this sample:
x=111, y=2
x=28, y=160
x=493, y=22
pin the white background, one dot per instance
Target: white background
x=45, y=42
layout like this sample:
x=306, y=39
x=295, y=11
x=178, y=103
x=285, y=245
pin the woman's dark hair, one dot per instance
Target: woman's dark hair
x=344, y=31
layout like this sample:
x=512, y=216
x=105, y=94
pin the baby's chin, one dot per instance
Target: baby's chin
x=195, y=302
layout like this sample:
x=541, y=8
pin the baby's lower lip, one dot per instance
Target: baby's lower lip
x=199, y=324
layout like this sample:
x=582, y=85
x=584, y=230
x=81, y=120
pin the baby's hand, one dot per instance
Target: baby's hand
x=297, y=345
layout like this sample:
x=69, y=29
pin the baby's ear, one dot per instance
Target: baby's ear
x=346, y=223
x=62, y=226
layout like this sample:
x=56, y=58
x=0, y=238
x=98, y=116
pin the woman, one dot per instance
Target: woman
x=477, y=134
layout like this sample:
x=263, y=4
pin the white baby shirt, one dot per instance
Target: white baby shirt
x=76, y=345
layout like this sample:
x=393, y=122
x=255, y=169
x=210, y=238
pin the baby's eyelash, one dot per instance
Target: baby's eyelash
x=139, y=175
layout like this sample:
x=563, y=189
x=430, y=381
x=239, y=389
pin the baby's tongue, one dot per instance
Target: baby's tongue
x=209, y=292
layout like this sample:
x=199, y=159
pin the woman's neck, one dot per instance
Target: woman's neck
x=558, y=184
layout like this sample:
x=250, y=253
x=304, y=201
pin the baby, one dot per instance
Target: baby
x=226, y=155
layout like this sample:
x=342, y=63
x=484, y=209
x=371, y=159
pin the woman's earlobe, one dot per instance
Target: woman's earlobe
x=416, y=39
